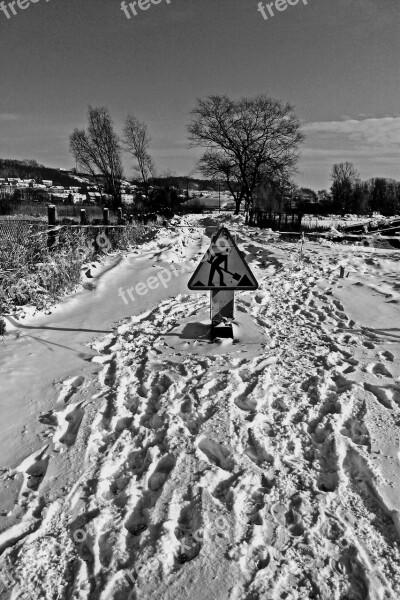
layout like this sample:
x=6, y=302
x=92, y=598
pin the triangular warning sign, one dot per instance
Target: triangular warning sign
x=223, y=267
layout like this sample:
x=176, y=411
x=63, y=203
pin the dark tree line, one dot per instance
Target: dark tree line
x=352, y=195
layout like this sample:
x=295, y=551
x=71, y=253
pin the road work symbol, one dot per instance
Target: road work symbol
x=223, y=267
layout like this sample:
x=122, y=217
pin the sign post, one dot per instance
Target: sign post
x=223, y=271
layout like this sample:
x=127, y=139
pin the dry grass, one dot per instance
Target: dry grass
x=31, y=273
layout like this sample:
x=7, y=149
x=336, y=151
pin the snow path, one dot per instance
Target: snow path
x=42, y=353
x=239, y=474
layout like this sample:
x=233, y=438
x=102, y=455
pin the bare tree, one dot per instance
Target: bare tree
x=344, y=177
x=218, y=167
x=247, y=138
x=137, y=141
x=98, y=153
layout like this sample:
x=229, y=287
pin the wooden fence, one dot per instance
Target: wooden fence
x=274, y=221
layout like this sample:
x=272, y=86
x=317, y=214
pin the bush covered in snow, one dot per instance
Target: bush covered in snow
x=31, y=273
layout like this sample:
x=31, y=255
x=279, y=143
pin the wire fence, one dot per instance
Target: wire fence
x=23, y=233
x=17, y=231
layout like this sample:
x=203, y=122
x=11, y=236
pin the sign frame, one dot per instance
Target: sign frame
x=254, y=283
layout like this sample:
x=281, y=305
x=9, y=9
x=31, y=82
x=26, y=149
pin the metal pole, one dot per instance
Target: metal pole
x=52, y=221
x=219, y=197
x=106, y=218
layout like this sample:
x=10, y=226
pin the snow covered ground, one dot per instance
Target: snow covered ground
x=142, y=461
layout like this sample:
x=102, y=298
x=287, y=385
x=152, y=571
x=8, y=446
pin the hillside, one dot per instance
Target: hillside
x=30, y=169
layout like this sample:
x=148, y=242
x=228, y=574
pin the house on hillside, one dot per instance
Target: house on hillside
x=78, y=198
x=128, y=198
x=94, y=196
x=47, y=182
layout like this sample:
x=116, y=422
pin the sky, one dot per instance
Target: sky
x=336, y=61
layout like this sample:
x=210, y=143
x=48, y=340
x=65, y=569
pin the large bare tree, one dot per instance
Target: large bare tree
x=137, y=141
x=219, y=167
x=247, y=139
x=344, y=177
x=98, y=153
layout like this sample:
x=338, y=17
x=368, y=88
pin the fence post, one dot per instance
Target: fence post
x=119, y=212
x=106, y=216
x=130, y=219
x=83, y=216
x=52, y=221
x=51, y=214
x=302, y=244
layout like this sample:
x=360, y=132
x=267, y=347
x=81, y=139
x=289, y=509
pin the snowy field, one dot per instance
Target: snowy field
x=140, y=461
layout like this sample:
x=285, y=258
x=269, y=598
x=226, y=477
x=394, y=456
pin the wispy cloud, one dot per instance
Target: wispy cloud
x=363, y=134
x=8, y=117
x=372, y=143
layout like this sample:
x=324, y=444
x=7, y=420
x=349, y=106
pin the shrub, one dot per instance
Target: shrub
x=31, y=273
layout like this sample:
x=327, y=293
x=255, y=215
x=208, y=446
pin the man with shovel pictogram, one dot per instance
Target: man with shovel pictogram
x=219, y=263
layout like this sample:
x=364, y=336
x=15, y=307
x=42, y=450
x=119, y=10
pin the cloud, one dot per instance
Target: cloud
x=365, y=135
x=371, y=143
x=8, y=117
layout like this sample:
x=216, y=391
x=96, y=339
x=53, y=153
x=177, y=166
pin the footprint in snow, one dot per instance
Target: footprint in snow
x=379, y=370
x=386, y=355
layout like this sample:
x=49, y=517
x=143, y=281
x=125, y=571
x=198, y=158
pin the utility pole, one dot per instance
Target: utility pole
x=219, y=197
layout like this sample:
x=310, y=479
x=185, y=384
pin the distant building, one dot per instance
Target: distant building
x=47, y=182
x=94, y=196
x=78, y=198
x=128, y=198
